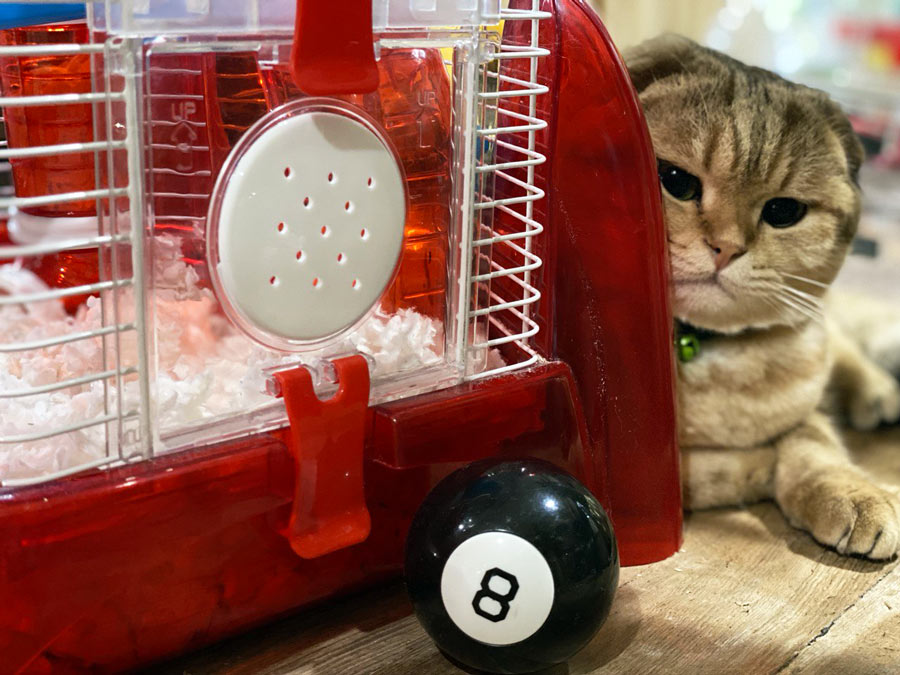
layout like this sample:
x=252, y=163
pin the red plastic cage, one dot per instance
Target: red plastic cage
x=125, y=565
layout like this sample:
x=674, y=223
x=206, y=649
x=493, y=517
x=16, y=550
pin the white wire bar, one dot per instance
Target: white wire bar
x=62, y=197
x=57, y=99
x=61, y=149
x=501, y=271
x=56, y=475
x=85, y=289
x=534, y=158
x=50, y=50
x=65, y=384
x=58, y=247
x=78, y=426
x=532, y=193
x=64, y=339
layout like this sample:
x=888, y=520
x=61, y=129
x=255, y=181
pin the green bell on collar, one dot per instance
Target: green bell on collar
x=687, y=347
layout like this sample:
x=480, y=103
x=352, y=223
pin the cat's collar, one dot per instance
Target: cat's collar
x=688, y=339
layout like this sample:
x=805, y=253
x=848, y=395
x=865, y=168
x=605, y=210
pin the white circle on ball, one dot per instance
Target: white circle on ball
x=297, y=205
x=497, y=588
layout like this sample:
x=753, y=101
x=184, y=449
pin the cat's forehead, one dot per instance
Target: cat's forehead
x=758, y=132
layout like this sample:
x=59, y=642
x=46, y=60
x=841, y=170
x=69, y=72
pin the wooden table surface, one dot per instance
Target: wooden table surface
x=747, y=594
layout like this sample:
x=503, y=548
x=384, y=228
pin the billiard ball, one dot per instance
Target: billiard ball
x=511, y=566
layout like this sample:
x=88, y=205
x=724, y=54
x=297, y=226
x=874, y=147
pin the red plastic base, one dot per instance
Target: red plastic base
x=110, y=570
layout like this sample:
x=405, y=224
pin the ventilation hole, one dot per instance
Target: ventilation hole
x=364, y=233
x=281, y=227
x=356, y=284
x=370, y=183
x=324, y=230
x=340, y=257
x=273, y=281
x=306, y=202
x=287, y=172
x=331, y=178
x=316, y=282
x=300, y=255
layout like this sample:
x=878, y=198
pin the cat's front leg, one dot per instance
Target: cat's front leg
x=821, y=491
x=713, y=477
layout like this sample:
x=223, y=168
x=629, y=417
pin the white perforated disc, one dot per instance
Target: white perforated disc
x=306, y=225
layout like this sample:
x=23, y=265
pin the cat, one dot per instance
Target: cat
x=759, y=179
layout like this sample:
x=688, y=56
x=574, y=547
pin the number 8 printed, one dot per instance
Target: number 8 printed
x=487, y=592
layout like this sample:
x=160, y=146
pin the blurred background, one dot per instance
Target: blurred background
x=849, y=48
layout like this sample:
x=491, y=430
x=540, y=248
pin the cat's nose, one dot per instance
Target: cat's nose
x=724, y=253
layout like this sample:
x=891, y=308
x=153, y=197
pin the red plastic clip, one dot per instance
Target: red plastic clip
x=333, y=51
x=326, y=439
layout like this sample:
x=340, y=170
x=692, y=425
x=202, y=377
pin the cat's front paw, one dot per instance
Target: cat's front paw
x=875, y=401
x=845, y=511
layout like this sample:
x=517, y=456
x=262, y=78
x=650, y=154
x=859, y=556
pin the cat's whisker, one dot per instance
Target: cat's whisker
x=788, y=301
x=795, y=299
x=806, y=302
x=809, y=299
x=805, y=310
x=774, y=305
x=797, y=311
x=815, y=299
x=788, y=283
x=802, y=293
x=796, y=303
x=805, y=280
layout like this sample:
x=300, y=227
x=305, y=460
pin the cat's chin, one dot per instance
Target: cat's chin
x=702, y=297
x=707, y=304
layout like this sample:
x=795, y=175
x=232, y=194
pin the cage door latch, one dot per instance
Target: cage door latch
x=333, y=50
x=327, y=439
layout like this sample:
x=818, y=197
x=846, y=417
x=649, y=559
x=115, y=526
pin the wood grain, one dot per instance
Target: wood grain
x=863, y=640
x=747, y=594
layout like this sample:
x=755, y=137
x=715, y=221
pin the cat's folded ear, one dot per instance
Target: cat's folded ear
x=853, y=147
x=659, y=58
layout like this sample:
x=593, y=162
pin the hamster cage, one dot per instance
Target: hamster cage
x=272, y=271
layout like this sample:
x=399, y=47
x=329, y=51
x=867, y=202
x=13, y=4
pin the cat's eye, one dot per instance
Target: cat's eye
x=678, y=182
x=783, y=212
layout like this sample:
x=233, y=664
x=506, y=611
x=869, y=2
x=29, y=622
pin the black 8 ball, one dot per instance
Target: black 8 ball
x=511, y=566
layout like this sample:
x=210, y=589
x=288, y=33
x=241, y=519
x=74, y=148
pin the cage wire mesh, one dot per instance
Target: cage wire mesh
x=71, y=380
x=77, y=375
x=505, y=224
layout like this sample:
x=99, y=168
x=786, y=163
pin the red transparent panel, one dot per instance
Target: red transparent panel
x=35, y=126
x=50, y=124
x=4, y=240
x=415, y=103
